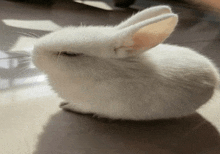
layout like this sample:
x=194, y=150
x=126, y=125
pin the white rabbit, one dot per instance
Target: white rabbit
x=123, y=72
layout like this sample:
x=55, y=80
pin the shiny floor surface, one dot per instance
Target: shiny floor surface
x=32, y=122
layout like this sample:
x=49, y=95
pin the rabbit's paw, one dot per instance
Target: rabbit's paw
x=68, y=106
x=63, y=104
x=72, y=107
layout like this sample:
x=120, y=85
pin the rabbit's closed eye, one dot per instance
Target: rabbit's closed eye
x=69, y=54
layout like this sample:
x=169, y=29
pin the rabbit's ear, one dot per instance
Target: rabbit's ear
x=144, y=15
x=145, y=35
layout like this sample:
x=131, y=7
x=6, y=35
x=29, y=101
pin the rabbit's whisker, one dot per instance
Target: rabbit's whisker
x=30, y=34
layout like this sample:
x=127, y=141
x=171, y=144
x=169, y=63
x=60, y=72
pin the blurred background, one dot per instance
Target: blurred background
x=30, y=119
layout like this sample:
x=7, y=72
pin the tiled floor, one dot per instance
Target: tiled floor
x=30, y=119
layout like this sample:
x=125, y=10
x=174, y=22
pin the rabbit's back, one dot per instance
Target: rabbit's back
x=180, y=64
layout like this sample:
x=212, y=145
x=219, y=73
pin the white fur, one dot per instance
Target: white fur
x=116, y=79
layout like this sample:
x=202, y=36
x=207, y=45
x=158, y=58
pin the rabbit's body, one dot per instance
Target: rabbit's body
x=111, y=80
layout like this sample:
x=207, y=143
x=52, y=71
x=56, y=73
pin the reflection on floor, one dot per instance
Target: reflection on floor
x=31, y=121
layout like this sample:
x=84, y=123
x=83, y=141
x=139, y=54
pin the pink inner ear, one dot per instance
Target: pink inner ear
x=153, y=34
x=146, y=40
x=142, y=40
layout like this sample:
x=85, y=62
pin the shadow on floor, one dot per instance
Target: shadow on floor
x=68, y=132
